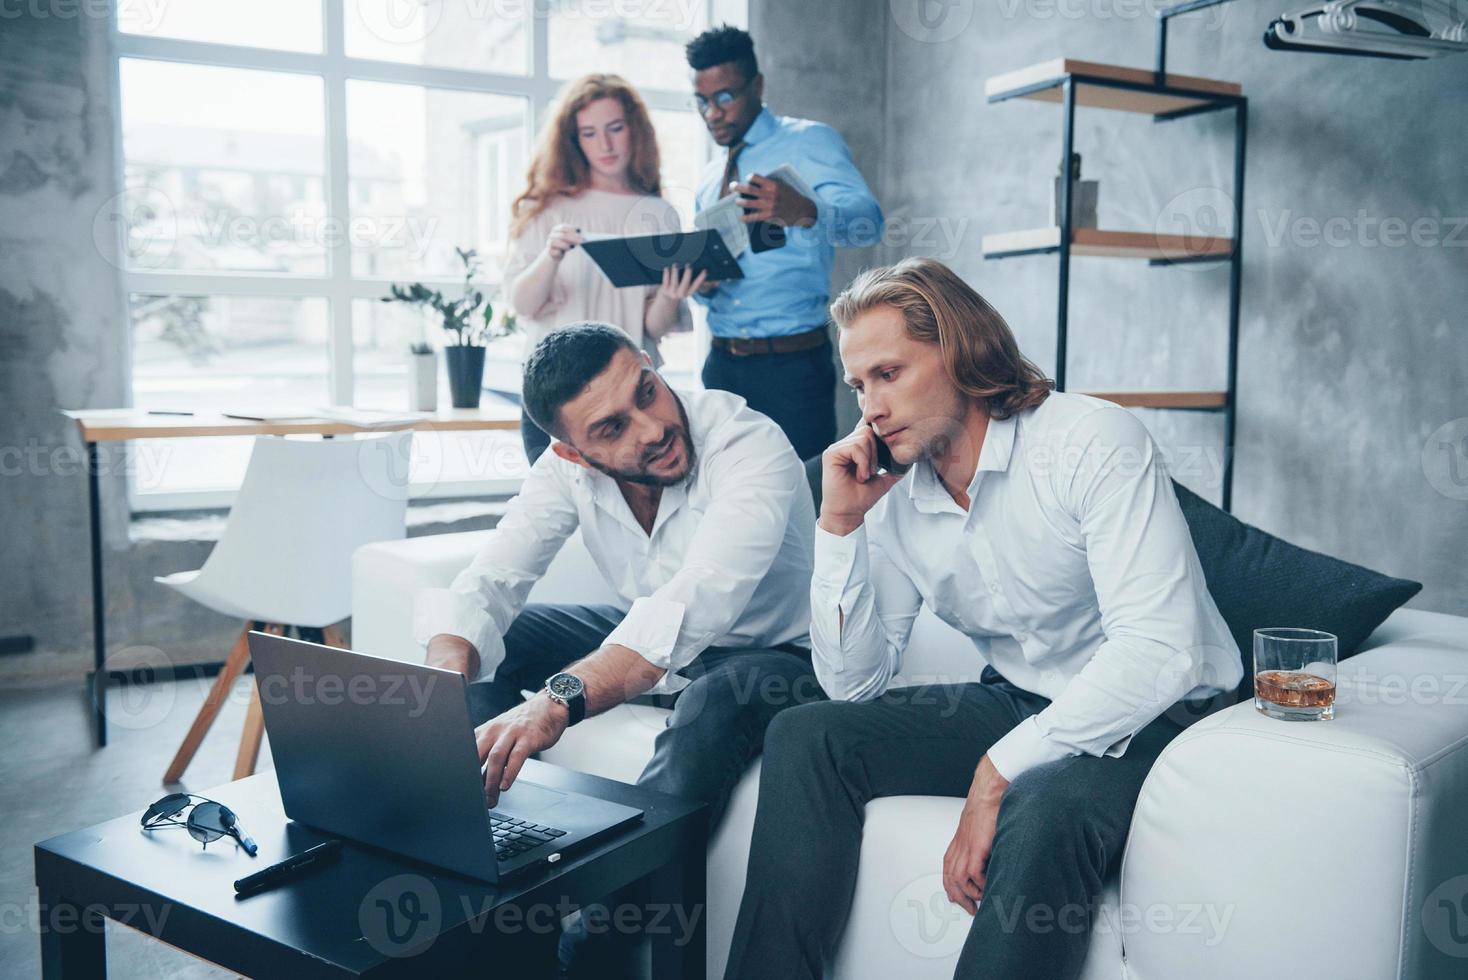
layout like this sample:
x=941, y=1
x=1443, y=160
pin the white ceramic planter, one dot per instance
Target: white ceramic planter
x=423, y=382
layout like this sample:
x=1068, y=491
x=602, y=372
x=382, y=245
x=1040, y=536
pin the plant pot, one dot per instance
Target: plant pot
x=466, y=375
x=423, y=382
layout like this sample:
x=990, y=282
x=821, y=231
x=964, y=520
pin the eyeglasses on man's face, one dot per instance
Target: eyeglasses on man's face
x=723, y=99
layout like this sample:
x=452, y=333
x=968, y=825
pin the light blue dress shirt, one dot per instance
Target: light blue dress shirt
x=786, y=290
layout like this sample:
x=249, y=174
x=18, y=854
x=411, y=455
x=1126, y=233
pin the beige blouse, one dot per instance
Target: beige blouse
x=580, y=290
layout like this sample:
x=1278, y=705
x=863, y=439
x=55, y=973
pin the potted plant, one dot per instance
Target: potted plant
x=469, y=319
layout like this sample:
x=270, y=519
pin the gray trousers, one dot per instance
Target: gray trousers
x=1061, y=827
x=716, y=728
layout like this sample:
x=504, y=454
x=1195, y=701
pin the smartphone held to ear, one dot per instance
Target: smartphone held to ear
x=885, y=462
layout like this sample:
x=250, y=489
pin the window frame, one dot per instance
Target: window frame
x=339, y=287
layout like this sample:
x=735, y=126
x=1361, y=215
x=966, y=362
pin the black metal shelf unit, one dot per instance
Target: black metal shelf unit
x=1164, y=97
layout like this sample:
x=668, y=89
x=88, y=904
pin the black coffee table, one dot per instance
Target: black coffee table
x=372, y=914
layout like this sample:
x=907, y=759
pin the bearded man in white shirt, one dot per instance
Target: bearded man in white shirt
x=697, y=511
x=1042, y=525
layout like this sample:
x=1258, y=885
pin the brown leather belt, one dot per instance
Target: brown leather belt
x=788, y=344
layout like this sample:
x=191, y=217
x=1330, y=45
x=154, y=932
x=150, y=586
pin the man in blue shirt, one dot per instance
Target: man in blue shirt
x=770, y=343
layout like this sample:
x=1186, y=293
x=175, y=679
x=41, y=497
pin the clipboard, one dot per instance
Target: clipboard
x=641, y=259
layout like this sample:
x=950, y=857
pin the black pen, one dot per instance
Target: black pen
x=289, y=869
x=159, y=411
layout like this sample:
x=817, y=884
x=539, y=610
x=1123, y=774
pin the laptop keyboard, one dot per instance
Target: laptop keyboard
x=513, y=836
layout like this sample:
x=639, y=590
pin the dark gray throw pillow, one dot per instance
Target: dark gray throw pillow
x=1257, y=580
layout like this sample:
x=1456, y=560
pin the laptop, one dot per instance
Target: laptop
x=382, y=752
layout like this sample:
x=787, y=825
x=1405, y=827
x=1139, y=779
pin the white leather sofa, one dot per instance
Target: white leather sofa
x=1259, y=848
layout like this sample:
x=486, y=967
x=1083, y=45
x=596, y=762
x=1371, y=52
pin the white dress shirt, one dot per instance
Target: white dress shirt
x=728, y=562
x=1073, y=572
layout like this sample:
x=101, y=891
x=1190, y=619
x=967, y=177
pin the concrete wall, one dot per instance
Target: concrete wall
x=61, y=322
x=1353, y=373
x=64, y=344
x=1353, y=376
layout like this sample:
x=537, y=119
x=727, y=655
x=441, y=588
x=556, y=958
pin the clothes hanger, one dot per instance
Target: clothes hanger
x=1374, y=29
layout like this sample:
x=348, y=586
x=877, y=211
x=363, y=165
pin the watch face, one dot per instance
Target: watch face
x=565, y=686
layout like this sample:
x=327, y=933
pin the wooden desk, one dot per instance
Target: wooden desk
x=122, y=424
x=100, y=425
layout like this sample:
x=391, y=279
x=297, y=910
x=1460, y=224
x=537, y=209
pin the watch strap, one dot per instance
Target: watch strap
x=577, y=708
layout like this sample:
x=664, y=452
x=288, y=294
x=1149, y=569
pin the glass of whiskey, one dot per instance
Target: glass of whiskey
x=1294, y=674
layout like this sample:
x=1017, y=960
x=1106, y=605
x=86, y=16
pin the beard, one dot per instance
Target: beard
x=641, y=474
x=941, y=428
x=936, y=446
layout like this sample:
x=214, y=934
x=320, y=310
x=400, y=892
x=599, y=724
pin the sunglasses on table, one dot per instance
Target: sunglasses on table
x=206, y=822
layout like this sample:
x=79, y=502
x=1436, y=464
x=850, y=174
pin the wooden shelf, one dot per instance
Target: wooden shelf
x=1196, y=400
x=1181, y=93
x=1109, y=244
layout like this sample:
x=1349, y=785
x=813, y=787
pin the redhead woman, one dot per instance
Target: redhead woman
x=595, y=171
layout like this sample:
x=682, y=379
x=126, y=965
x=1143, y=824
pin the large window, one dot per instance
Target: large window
x=286, y=160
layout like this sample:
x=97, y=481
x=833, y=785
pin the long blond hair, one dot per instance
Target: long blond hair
x=979, y=351
x=560, y=167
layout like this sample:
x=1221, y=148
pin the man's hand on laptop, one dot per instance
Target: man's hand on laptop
x=505, y=742
x=453, y=653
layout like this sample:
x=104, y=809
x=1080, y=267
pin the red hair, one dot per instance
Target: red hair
x=559, y=167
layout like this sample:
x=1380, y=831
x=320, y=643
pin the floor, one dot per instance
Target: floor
x=53, y=780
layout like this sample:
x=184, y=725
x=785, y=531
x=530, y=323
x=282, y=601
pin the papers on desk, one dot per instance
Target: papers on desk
x=284, y=415
x=371, y=418
x=727, y=215
x=362, y=418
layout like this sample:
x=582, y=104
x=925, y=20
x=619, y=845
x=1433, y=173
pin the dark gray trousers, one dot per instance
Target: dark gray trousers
x=716, y=728
x=1061, y=828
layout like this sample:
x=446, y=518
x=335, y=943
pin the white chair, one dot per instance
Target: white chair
x=285, y=558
